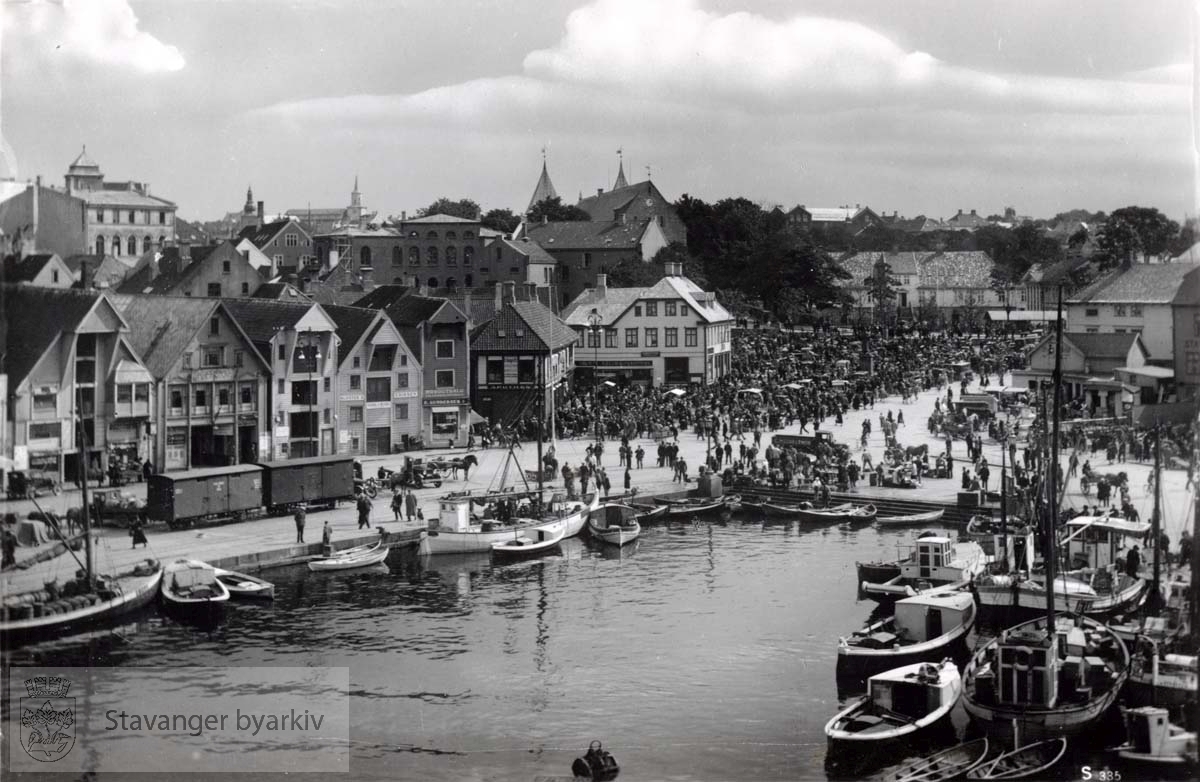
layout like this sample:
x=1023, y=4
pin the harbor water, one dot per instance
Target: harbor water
x=701, y=652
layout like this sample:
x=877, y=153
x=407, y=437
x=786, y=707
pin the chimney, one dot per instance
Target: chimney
x=85, y=274
x=599, y=191
x=510, y=291
x=972, y=211
x=959, y=213
x=530, y=291
x=368, y=277
x=260, y=212
x=499, y=299
x=403, y=215
x=673, y=269
x=602, y=284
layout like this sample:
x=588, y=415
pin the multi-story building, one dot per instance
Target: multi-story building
x=284, y=242
x=904, y=268
x=438, y=335
x=77, y=385
x=641, y=201
x=1185, y=309
x=379, y=384
x=1135, y=298
x=586, y=249
x=122, y=218
x=1092, y=366
x=214, y=272
x=47, y=270
x=853, y=219
x=671, y=333
x=506, y=352
x=212, y=386
x=948, y=281
x=300, y=342
x=521, y=261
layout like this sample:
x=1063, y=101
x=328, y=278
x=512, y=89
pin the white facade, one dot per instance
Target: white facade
x=1153, y=321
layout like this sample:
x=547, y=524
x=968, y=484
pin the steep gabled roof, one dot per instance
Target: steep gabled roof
x=161, y=327
x=1141, y=283
x=526, y=325
x=262, y=235
x=588, y=235
x=1111, y=346
x=352, y=324
x=860, y=266
x=606, y=206
x=616, y=301
x=260, y=319
x=533, y=252
x=543, y=190
x=279, y=291
x=25, y=269
x=35, y=317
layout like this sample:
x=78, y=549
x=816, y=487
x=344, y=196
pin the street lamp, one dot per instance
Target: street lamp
x=594, y=322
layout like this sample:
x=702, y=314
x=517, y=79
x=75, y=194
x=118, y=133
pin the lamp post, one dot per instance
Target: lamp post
x=594, y=321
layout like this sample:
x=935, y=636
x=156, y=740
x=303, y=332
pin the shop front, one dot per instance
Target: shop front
x=447, y=421
x=623, y=372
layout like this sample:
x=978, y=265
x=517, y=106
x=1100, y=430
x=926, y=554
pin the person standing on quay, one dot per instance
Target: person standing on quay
x=641, y=454
x=299, y=517
x=628, y=477
x=410, y=504
x=364, y=511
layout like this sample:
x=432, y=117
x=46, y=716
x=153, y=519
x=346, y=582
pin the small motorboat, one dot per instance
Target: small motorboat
x=933, y=561
x=352, y=558
x=245, y=587
x=614, y=524
x=898, y=704
x=529, y=542
x=1026, y=761
x=924, y=628
x=910, y=520
x=190, y=588
x=647, y=513
x=949, y=763
x=1154, y=740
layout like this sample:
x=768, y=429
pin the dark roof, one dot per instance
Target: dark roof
x=1141, y=283
x=160, y=327
x=352, y=323
x=604, y=206
x=527, y=325
x=261, y=235
x=25, y=269
x=588, y=234
x=1189, y=289
x=35, y=317
x=383, y=296
x=261, y=318
x=1102, y=345
x=529, y=248
x=1056, y=273
x=279, y=291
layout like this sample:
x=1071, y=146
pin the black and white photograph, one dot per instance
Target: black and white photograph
x=565, y=390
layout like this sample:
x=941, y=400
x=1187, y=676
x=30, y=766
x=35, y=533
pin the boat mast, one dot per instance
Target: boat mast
x=1056, y=378
x=1004, y=497
x=1155, y=599
x=541, y=416
x=83, y=461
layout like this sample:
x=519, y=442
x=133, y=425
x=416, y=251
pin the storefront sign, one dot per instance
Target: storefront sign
x=404, y=394
x=343, y=436
x=651, y=354
x=443, y=391
x=351, y=397
x=439, y=402
x=378, y=405
x=633, y=362
x=282, y=431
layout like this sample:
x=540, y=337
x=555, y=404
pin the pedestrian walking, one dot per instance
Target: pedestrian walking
x=9, y=546
x=364, y=511
x=301, y=513
x=397, y=504
x=640, y=454
x=138, y=534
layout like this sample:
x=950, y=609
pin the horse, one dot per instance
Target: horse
x=919, y=451
x=465, y=463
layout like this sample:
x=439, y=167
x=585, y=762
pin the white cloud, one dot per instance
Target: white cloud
x=102, y=32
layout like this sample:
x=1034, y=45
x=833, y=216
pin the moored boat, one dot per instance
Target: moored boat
x=351, y=559
x=245, y=587
x=836, y=514
x=457, y=531
x=910, y=520
x=1158, y=677
x=1024, y=761
x=1154, y=740
x=191, y=590
x=647, y=513
x=934, y=561
x=878, y=572
x=614, y=524
x=949, y=763
x=779, y=510
x=924, y=628
x=693, y=506
x=1051, y=683
x=532, y=542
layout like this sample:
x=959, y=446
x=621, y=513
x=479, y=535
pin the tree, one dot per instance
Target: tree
x=554, y=210
x=1133, y=229
x=677, y=252
x=792, y=274
x=881, y=287
x=502, y=220
x=633, y=272
x=464, y=208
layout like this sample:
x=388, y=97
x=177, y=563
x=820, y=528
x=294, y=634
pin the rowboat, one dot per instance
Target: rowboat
x=245, y=587
x=899, y=703
x=753, y=505
x=647, y=513
x=950, y=763
x=781, y=511
x=1154, y=740
x=190, y=589
x=529, y=543
x=691, y=507
x=838, y=513
x=925, y=628
x=352, y=558
x=910, y=520
x=614, y=524
x=1027, y=761
x=1051, y=684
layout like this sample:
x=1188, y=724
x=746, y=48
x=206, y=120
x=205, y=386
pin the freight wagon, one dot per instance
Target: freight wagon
x=315, y=480
x=209, y=494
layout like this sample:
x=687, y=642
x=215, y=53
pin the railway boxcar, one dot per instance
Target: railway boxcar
x=312, y=480
x=207, y=494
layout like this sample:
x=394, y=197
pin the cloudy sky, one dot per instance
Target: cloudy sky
x=921, y=106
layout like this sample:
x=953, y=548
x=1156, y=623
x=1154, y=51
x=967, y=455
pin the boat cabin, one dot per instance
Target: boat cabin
x=907, y=694
x=1152, y=734
x=1027, y=669
x=925, y=617
x=1099, y=541
x=932, y=559
x=454, y=515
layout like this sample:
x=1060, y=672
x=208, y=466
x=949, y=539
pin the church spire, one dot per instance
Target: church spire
x=248, y=208
x=620, y=171
x=544, y=189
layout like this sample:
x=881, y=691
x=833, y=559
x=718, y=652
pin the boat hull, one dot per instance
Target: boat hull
x=857, y=663
x=857, y=758
x=912, y=520
x=373, y=557
x=136, y=592
x=614, y=536
x=877, y=572
x=1031, y=598
x=480, y=541
x=244, y=587
x=198, y=610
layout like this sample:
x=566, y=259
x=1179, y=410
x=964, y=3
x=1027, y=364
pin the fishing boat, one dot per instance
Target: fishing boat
x=933, y=561
x=899, y=703
x=1057, y=683
x=533, y=542
x=950, y=763
x=1154, y=740
x=456, y=530
x=911, y=520
x=245, y=587
x=614, y=524
x=838, y=513
x=1158, y=677
x=191, y=590
x=1026, y=761
x=925, y=628
x=351, y=559
x=877, y=572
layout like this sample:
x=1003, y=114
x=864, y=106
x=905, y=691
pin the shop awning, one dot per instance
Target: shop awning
x=476, y=418
x=677, y=392
x=1161, y=373
x=1018, y=316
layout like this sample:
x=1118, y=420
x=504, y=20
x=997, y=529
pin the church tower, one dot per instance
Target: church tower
x=545, y=188
x=248, y=208
x=355, y=212
x=84, y=174
x=621, y=182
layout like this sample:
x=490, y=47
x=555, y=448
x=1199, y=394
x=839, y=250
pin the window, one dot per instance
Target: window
x=1091, y=312
x=45, y=403
x=131, y=244
x=451, y=256
x=1119, y=310
x=213, y=356
x=354, y=443
x=526, y=370
x=132, y=216
x=282, y=353
x=141, y=393
x=414, y=256
x=403, y=359
x=145, y=244
x=431, y=235
x=444, y=378
x=99, y=245
x=201, y=397
x=689, y=337
x=162, y=218
x=671, y=336
x=328, y=384
x=1092, y=330
x=379, y=389
x=593, y=338
x=187, y=360
x=401, y=380
x=397, y=257
x=325, y=415
x=451, y=283
x=433, y=282
x=226, y=267
x=402, y=411
x=364, y=257
x=355, y=382
x=50, y=431
x=124, y=394
x=610, y=338
x=247, y=394
x=631, y=338
x=651, y=338
x=468, y=256
x=99, y=215
x=116, y=245
x=357, y=363
x=291, y=240
x=277, y=260
x=451, y=235
x=445, y=348
x=469, y=281
x=431, y=256
x=214, y=290
x=282, y=386
x=356, y=414
x=223, y=396
x=683, y=310
x=382, y=358
x=637, y=310
x=245, y=289
x=1135, y=310
x=651, y=309
x=214, y=326
x=176, y=399
x=495, y=370
x=54, y=275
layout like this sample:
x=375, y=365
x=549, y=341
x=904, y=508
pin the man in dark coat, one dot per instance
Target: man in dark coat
x=1133, y=562
x=364, y=511
x=301, y=513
